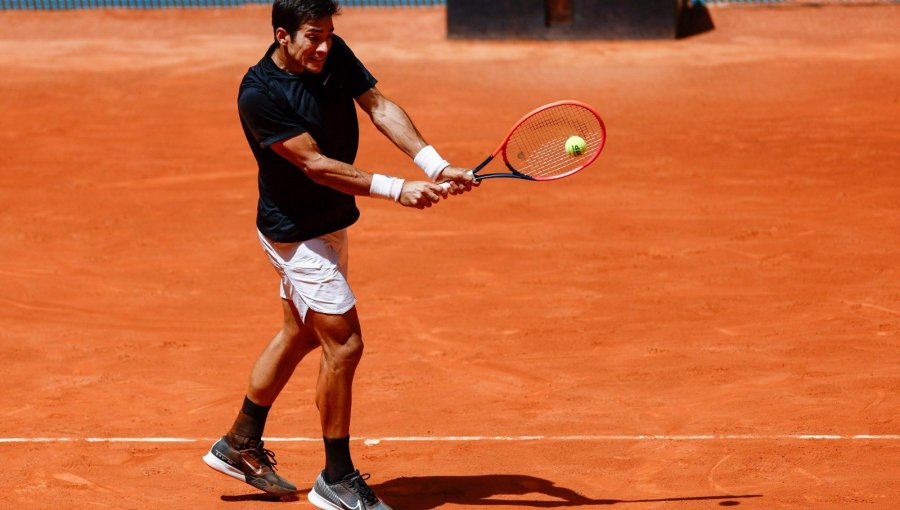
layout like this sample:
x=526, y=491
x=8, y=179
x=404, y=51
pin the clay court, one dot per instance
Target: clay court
x=707, y=317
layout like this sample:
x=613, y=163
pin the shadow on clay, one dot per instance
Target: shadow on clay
x=260, y=497
x=428, y=492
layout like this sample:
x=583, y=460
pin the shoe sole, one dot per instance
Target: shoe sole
x=223, y=467
x=321, y=502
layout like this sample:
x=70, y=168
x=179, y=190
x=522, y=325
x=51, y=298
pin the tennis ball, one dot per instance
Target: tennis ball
x=575, y=145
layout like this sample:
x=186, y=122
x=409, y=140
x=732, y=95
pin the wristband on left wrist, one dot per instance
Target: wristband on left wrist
x=430, y=162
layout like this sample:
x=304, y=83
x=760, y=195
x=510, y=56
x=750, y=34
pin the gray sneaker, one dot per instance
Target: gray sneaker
x=254, y=465
x=351, y=493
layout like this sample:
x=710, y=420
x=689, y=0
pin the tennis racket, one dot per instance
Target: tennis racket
x=551, y=142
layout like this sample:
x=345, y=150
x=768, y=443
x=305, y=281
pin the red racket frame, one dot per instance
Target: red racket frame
x=518, y=175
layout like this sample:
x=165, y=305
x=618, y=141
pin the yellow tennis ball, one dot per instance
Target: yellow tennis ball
x=575, y=146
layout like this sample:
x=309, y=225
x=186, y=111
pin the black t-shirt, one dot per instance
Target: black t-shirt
x=274, y=106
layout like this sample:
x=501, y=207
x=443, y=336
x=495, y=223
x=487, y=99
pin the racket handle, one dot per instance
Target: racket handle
x=446, y=185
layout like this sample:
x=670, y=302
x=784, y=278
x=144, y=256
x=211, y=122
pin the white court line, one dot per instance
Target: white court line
x=436, y=439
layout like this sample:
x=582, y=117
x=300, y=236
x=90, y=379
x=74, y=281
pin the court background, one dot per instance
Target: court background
x=707, y=317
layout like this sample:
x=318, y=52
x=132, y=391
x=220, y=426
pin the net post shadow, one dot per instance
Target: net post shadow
x=693, y=19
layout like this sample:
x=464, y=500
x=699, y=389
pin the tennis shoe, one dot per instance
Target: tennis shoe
x=254, y=465
x=350, y=493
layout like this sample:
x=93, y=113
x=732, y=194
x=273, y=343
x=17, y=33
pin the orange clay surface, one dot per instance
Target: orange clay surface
x=729, y=266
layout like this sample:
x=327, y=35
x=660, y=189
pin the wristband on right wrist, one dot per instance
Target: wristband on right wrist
x=384, y=186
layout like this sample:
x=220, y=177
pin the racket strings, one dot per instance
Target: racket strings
x=537, y=147
x=546, y=138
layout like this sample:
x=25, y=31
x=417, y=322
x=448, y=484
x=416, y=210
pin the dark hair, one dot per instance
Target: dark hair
x=292, y=14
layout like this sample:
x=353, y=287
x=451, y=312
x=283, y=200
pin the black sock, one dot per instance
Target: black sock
x=337, y=459
x=248, y=427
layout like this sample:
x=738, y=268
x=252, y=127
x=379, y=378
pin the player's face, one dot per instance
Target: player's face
x=309, y=47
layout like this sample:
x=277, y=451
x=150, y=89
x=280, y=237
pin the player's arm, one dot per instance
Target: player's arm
x=397, y=126
x=302, y=151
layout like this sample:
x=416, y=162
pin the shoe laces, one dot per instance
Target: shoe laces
x=264, y=455
x=360, y=487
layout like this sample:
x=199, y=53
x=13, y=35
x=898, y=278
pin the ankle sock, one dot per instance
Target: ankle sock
x=249, y=425
x=337, y=458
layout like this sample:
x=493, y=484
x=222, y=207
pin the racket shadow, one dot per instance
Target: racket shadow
x=429, y=492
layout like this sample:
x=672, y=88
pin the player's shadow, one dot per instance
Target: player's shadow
x=428, y=492
x=260, y=497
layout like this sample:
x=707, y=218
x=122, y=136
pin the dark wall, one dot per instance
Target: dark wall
x=495, y=19
x=625, y=19
x=590, y=19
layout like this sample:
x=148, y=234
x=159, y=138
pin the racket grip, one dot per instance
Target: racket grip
x=446, y=185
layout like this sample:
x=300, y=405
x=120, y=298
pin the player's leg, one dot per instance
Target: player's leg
x=339, y=485
x=240, y=453
x=276, y=364
x=342, y=348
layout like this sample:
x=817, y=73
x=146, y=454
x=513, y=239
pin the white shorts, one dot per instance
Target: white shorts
x=313, y=272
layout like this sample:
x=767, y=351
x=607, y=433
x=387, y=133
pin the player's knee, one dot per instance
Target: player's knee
x=348, y=354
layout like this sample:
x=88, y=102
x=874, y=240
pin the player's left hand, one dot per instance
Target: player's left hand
x=460, y=180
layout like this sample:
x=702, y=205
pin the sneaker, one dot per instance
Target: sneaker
x=254, y=465
x=351, y=493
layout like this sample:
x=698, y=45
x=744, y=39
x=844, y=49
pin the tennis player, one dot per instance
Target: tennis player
x=298, y=114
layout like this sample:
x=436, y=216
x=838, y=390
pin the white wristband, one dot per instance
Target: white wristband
x=430, y=162
x=384, y=186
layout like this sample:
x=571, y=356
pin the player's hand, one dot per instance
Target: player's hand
x=421, y=194
x=460, y=180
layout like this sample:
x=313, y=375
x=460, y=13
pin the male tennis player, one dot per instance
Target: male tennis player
x=297, y=110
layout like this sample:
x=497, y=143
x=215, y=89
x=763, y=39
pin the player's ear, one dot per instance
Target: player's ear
x=282, y=36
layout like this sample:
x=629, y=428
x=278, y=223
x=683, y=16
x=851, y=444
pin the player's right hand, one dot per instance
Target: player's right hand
x=421, y=194
x=457, y=180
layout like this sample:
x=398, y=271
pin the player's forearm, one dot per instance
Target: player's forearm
x=397, y=126
x=338, y=175
x=304, y=153
x=348, y=179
